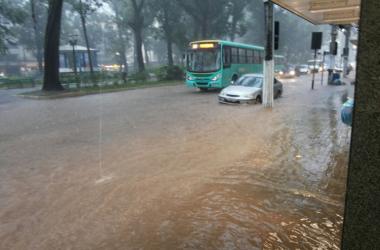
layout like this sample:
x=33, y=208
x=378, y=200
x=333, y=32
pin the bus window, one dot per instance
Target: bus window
x=234, y=55
x=250, y=54
x=242, y=56
x=226, y=56
x=256, y=57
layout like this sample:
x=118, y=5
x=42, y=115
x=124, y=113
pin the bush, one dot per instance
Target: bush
x=139, y=76
x=18, y=82
x=169, y=73
x=99, y=76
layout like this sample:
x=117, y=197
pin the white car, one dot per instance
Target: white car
x=248, y=88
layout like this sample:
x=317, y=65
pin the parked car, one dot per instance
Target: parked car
x=247, y=89
x=302, y=69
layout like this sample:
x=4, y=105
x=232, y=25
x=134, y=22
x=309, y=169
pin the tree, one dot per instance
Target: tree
x=168, y=15
x=38, y=36
x=52, y=36
x=208, y=15
x=236, y=21
x=84, y=8
x=121, y=25
x=136, y=22
x=12, y=13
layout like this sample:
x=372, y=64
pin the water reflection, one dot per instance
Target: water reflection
x=287, y=195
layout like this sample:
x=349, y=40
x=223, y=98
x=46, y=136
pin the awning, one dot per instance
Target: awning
x=339, y=12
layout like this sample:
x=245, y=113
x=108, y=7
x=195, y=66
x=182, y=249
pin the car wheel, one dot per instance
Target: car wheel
x=258, y=99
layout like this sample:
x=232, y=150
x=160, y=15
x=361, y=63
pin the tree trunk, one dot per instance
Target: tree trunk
x=169, y=46
x=147, y=61
x=52, y=35
x=168, y=35
x=83, y=20
x=36, y=36
x=138, y=49
x=204, y=29
x=233, y=29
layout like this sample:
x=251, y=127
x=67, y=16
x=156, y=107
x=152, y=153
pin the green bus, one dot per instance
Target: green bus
x=279, y=64
x=216, y=63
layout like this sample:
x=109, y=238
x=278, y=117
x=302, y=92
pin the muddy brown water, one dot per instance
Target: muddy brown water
x=170, y=168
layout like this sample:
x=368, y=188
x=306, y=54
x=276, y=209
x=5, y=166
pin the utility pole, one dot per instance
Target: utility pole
x=268, y=62
x=346, y=50
x=323, y=65
x=333, y=51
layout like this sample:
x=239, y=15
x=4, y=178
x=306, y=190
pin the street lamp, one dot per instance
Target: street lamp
x=73, y=41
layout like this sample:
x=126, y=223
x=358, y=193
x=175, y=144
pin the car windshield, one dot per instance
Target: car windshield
x=250, y=81
x=204, y=60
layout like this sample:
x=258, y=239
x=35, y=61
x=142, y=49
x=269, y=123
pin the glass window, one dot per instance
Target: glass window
x=226, y=56
x=250, y=81
x=234, y=55
x=204, y=60
x=250, y=54
x=257, y=57
x=242, y=56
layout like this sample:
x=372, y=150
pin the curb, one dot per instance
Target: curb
x=77, y=94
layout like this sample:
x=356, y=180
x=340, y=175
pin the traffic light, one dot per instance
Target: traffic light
x=333, y=48
x=276, y=34
x=316, y=40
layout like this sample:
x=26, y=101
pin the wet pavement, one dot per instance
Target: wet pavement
x=170, y=168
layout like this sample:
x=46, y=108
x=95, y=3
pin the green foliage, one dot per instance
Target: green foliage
x=169, y=73
x=139, y=76
x=18, y=82
x=85, y=7
x=12, y=13
x=85, y=77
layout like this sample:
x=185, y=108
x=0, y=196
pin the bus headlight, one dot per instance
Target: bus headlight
x=217, y=77
x=190, y=78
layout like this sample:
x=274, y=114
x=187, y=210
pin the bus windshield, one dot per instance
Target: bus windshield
x=204, y=60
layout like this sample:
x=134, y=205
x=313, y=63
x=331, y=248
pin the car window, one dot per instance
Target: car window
x=250, y=81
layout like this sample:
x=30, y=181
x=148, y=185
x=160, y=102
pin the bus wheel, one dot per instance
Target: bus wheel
x=258, y=99
x=203, y=89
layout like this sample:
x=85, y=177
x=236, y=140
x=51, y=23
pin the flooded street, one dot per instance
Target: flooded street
x=170, y=168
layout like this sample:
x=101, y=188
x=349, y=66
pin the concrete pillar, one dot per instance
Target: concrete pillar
x=268, y=62
x=361, y=227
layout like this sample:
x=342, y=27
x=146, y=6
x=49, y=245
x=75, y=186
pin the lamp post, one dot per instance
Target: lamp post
x=73, y=41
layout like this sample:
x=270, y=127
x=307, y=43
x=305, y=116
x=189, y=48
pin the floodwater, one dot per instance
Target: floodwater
x=170, y=168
